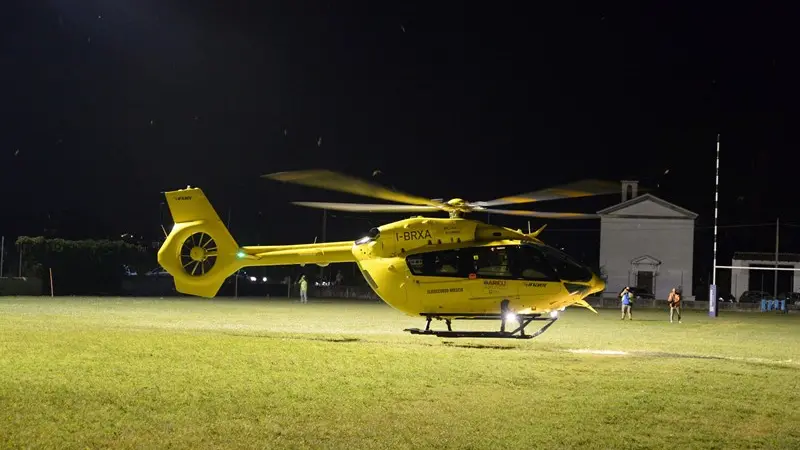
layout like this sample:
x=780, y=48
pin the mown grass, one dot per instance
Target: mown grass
x=152, y=373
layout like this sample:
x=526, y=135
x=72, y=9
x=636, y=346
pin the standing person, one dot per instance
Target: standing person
x=674, y=301
x=303, y=289
x=626, y=303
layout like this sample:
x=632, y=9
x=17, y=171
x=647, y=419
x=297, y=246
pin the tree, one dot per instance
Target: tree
x=82, y=266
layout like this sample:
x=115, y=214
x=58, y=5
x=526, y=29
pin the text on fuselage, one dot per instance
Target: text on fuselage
x=413, y=235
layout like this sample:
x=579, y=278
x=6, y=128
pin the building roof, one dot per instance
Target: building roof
x=765, y=256
x=645, y=198
x=646, y=259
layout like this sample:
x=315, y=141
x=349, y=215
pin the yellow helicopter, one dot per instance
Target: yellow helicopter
x=434, y=268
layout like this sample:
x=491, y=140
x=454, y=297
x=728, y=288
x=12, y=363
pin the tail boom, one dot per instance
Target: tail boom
x=200, y=253
x=279, y=255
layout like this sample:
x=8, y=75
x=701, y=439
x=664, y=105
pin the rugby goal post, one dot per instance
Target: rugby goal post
x=713, y=309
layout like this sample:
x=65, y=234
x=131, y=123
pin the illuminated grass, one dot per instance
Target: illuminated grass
x=150, y=373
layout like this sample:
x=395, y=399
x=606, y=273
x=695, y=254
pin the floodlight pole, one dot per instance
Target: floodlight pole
x=712, y=294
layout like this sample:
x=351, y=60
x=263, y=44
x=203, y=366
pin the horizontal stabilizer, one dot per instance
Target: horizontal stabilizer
x=585, y=304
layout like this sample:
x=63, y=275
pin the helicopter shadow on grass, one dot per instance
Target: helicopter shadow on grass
x=347, y=340
x=478, y=346
x=337, y=340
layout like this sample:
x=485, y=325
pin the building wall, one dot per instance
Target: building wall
x=670, y=240
x=740, y=278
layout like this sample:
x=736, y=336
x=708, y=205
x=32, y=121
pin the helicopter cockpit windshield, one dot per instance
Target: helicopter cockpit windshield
x=565, y=266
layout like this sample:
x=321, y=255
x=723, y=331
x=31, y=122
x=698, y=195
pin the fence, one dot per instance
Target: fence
x=145, y=286
x=142, y=286
x=21, y=286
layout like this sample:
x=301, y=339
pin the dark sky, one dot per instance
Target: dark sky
x=106, y=104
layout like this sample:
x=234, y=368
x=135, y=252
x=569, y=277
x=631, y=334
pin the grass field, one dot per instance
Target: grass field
x=150, y=373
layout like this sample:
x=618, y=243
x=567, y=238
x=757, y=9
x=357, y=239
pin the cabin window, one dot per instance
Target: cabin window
x=490, y=262
x=526, y=262
x=446, y=263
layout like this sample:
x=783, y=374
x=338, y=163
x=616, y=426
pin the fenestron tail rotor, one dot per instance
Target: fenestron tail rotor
x=198, y=254
x=456, y=207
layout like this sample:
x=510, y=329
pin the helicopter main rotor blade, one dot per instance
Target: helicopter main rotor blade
x=584, y=188
x=547, y=215
x=327, y=179
x=366, y=207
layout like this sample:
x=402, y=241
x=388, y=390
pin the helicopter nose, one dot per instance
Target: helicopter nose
x=596, y=284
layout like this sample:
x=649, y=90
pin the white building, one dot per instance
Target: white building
x=763, y=280
x=646, y=242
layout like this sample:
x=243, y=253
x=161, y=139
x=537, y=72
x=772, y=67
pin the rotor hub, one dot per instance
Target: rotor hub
x=457, y=207
x=197, y=254
x=456, y=202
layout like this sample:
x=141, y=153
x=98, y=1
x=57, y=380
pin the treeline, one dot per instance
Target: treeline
x=83, y=267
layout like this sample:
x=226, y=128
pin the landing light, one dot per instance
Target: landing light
x=240, y=254
x=553, y=314
x=511, y=316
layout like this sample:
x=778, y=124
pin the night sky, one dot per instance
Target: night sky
x=106, y=104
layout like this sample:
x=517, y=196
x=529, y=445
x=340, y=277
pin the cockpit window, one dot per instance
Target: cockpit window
x=566, y=267
x=533, y=265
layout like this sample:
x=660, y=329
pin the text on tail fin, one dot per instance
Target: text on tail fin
x=190, y=204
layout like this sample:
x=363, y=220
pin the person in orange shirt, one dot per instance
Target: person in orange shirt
x=674, y=301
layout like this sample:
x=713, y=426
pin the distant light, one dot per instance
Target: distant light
x=253, y=278
x=264, y=279
x=553, y=314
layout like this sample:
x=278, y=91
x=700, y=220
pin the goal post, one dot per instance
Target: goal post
x=775, y=279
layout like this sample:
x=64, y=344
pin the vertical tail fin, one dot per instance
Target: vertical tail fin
x=199, y=252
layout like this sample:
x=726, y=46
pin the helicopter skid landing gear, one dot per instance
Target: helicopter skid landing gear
x=518, y=333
